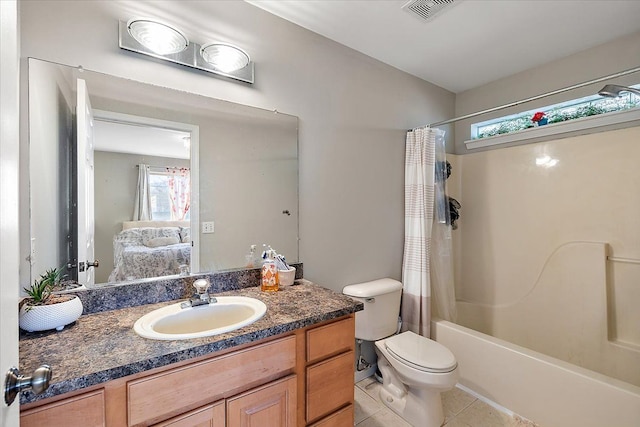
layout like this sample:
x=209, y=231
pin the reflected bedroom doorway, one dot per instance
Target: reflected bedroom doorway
x=130, y=246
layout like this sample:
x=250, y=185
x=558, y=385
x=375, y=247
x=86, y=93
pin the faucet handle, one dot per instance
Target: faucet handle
x=201, y=286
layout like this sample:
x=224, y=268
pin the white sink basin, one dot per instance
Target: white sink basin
x=176, y=323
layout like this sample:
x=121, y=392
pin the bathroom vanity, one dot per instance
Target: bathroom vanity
x=293, y=367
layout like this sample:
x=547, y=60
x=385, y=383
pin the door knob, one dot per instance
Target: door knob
x=14, y=382
x=95, y=263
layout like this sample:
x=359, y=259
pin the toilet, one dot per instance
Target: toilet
x=415, y=369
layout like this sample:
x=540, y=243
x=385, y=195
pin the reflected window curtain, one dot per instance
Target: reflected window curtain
x=142, y=202
x=441, y=260
x=179, y=192
x=418, y=222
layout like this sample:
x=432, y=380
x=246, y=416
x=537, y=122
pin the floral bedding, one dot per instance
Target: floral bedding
x=150, y=252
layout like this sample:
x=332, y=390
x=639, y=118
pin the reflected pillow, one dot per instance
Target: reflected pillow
x=185, y=234
x=149, y=233
x=162, y=241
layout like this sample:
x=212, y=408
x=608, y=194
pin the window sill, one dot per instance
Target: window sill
x=614, y=120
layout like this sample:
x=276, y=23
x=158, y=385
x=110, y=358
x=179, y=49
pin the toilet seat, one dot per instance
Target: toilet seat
x=421, y=353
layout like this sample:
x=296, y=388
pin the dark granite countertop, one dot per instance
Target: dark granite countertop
x=102, y=346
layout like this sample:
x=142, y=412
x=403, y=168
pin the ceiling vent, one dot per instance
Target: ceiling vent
x=427, y=10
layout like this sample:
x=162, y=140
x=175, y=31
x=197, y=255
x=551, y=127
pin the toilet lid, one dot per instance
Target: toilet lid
x=421, y=353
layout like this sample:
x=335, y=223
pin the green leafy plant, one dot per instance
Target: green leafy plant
x=42, y=289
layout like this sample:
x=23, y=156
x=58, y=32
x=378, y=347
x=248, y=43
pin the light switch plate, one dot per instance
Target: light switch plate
x=207, y=227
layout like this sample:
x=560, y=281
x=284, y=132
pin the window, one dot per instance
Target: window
x=571, y=110
x=170, y=192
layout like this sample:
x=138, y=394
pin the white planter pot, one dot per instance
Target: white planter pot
x=54, y=316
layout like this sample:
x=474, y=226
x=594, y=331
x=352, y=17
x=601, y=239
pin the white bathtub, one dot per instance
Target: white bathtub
x=549, y=391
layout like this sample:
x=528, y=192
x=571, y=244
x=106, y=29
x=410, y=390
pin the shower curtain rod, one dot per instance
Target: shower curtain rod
x=533, y=98
x=159, y=168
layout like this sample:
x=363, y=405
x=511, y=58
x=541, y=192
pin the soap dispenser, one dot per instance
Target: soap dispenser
x=252, y=259
x=269, y=272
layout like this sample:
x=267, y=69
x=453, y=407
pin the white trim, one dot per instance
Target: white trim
x=195, y=199
x=625, y=118
x=486, y=400
x=9, y=192
x=130, y=119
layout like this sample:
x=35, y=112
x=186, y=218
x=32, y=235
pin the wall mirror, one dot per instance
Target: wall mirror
x=178, y=180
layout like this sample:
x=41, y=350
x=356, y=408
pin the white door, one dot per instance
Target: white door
x=86, y=219
x=9, y=140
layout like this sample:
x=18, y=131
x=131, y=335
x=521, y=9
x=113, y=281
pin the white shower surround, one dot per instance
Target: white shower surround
x=533, y=271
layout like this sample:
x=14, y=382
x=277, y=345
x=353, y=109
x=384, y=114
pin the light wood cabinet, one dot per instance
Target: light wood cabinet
x=343, y=418
x=168, y=393
x=303, y=378
x=329, y=385
x=330, y=373
x=209, y=416
x=327, y=340
x=84, y=410
x=273, y=405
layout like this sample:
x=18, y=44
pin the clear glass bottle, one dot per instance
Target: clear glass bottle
x=251, y=258
x=269, y=272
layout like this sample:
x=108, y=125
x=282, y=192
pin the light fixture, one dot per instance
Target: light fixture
x=224, y=57
x=613, y=91
x=160, y=40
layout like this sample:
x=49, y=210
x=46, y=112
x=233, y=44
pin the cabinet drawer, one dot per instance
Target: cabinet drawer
x=330, y=339
x=85, y=410
x=169, y=393
x=329, y=385
x=209, y=416
x=344, y=417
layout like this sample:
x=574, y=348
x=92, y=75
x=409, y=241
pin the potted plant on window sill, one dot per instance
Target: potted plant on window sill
x=45, y=309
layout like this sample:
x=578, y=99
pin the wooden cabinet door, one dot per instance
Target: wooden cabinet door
x=208, y=416
x=272, y=405
x=84, y=410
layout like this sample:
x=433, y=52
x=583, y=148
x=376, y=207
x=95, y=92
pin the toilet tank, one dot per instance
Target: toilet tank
x=381, y=299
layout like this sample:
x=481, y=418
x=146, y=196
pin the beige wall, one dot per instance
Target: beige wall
x=353, y=112
x=618, y=55
x=248, y=189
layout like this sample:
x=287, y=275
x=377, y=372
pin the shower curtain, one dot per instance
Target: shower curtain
x=420, y=196
x=142, y=202
x=418, y=221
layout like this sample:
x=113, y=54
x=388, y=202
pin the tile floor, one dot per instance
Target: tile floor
x=461, y=409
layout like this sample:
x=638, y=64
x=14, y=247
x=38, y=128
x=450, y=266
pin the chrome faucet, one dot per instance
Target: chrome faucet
x=201, y=297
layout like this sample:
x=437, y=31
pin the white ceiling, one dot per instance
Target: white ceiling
x=141, y=140
x=470, y=44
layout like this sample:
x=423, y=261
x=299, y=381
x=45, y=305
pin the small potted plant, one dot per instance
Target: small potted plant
x=539, y=119
x=44, y=309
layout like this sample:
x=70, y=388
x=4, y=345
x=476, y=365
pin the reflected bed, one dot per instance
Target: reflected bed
x=150, y=249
